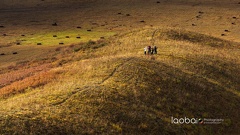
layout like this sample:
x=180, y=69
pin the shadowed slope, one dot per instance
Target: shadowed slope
x=128, y=95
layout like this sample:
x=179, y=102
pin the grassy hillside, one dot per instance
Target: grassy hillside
x=78, y=67
x=115, y=89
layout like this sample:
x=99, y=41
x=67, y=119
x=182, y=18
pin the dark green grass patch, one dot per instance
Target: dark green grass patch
x=197, y=38
x=90, y=45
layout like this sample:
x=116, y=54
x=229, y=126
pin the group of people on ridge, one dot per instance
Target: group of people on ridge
x=150, y=50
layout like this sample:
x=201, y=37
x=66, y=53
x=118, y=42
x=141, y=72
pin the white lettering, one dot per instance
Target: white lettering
x=187, y=120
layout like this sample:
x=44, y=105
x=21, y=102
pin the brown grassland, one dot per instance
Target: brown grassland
x=78, y=67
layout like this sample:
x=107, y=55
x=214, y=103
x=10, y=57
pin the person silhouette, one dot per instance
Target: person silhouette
x=149, y=50
x=145, y=50
x=155, y=49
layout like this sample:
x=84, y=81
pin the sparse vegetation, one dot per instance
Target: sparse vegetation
x=102, y=83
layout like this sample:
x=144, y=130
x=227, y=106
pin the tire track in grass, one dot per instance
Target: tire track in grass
x=86, y=88
x=115, y=69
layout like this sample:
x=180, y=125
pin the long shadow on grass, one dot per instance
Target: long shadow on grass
x=144, y=99
x=140, y=97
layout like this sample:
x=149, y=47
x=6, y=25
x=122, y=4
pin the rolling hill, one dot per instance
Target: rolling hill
x=102, y=83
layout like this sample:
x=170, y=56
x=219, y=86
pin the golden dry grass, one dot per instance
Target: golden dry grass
x=109, y=86
x=115, y=91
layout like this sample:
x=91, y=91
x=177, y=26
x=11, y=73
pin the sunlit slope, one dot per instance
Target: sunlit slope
x=115, y=89
x=119, y=100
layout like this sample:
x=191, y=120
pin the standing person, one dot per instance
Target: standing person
x=149, y=50
x=155, y=49
x=145, y=50
x=152, y=51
